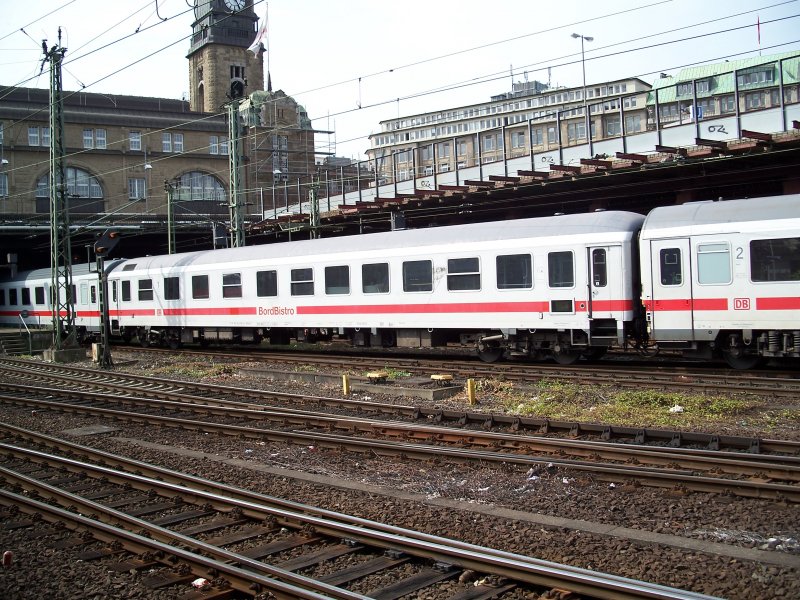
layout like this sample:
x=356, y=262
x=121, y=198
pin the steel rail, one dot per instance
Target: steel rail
x=764, y=467
x=272, y=578
x=515, y=567
x=168, y=388
x=649, y=476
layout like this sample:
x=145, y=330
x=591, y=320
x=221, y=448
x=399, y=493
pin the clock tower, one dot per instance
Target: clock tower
x=220, y=65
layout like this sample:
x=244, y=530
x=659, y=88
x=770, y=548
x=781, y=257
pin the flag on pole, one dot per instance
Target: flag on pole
x=255, y=47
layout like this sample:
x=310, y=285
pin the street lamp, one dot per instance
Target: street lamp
x=583, y=68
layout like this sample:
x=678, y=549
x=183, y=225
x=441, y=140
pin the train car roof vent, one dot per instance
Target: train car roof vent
x=599, y=210
x=558, y=214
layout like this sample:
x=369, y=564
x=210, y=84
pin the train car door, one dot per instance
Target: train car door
x=670, y=308
x=604, y=281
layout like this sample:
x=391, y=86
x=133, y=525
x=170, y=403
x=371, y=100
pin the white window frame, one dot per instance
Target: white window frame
x=135, y=140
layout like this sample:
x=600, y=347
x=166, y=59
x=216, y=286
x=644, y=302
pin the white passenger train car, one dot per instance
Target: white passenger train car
x=724, y=277
x=558, y=285
x=707, y=278
x=27, y=298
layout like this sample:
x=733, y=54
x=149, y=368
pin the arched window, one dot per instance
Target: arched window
x=84, y=192
x=200, y=193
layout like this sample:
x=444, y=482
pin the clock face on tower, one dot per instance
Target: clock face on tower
x=234, y=5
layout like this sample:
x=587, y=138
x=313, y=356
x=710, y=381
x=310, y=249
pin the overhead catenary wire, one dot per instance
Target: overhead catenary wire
x=456, y=87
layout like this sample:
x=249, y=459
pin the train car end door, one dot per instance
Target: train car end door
x=670, y=306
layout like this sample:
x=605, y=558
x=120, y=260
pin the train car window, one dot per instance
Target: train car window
x=775, y=260
x=337, y=280
x=266, y=283
x=172, y=288
x=114, y=291
x=26, y=296
x=599, y=268
x=560, y=269
x=713, y=263
x=232, y=285
x=73, y=291
x=126, y=291
x=463, y=274
x=2, y=297
x=375, y=278
x=145, y=289
x=302, y=282
x=200, y=289
x=129, y=267
x=514, y=272
x=84, y=293
x=418, y=276
x=93, y=294
x=12, y=297
x=670, y=265
x=38, y=294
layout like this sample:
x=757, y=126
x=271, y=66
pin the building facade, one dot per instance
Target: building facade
x=730, y=88
x=532, y=119
x=119, y=152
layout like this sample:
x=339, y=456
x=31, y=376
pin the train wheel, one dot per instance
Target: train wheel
x=144, y=337
x=736, y=359
x=490, y=352
x=173, y=341
x=565, y=356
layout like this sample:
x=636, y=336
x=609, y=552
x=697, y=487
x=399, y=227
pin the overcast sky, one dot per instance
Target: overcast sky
x=354, y=63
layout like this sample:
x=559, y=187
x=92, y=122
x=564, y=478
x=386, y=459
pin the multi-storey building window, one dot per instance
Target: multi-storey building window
x=727, y=104
x=88, y=138
x=518, y=139
x=33, y=136
x=166, y=142
x=537, y=138
x=3, y=185
x=576, y=131
x=754, y=100
x=613, y=125
x=755, y=77
x=137, y=188
x=217, y=144
x=135, y=140
x=444, y=150
x=706, y=108
x=633, y=123
x=100, y=139
x=177, y=142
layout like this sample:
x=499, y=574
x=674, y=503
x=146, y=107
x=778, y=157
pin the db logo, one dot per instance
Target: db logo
x=741, y=304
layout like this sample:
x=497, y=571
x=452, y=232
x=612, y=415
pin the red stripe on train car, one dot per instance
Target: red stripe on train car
x=459, y=308
x=211, y=311
x=462, y=307
x=132, y=312
x=786, y=303
x=680, y=304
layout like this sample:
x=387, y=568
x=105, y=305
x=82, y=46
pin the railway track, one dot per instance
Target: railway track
x=64, y=376
x=621, y=373
x=149, y=517
x=743, y=474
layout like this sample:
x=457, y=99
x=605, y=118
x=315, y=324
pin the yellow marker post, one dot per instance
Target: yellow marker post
x=471, y=391
x=346, y=384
